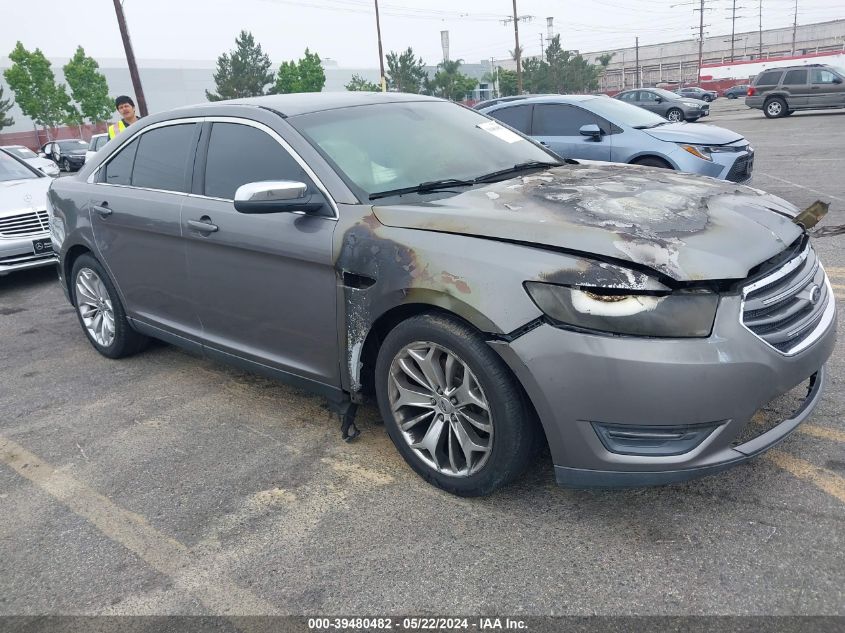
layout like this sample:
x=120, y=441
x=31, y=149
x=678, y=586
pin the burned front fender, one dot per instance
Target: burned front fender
x=480, y=280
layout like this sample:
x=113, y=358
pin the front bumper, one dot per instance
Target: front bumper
x=578, y=380
x=20, y=253
x=734, y=166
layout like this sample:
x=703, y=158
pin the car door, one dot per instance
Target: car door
x=796, y=86
x=558, y=127
x=135, y=214
x=650, y=101
x=824, y=90
x=264, y=284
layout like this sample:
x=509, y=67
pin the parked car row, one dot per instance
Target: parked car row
x=599, y=128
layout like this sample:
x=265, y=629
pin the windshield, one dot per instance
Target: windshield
x=390, y=146
x=22, y=152
x=623, y=113
x=69, y=146
x=10, y=169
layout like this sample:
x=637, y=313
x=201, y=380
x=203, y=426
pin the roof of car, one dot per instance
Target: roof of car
x=304, y=102
x=549, y=99
x=12, y=147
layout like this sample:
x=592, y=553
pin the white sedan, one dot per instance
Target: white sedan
x=24, y=224
x=27, y=155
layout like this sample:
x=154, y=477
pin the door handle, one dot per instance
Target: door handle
x=103, y=209
x=203, y=226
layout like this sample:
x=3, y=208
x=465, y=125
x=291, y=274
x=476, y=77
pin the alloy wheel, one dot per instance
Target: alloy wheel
x=95, y=307
x=774, y=108
x=441, y=409
x=675, y=116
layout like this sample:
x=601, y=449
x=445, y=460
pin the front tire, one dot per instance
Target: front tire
x=100, y=311
x=652, y=161
x=775, y=108
x=451, y=406
x=675, y=115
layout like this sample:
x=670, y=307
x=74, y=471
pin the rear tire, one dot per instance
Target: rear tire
x=461, y=423
x=100, y=311
x=774, y=108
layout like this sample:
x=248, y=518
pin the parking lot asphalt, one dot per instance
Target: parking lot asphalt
x=168, y=484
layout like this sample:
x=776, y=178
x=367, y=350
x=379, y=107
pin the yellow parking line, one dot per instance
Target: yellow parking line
x=822, y=432
x=835, y=271
x=167, y=555
x=825, y=480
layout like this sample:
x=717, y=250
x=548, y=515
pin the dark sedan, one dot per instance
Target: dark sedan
x=68, y=154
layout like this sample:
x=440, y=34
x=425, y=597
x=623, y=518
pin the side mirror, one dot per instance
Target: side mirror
x=277, y=196
x=837, y=80
x=591, y=130
x=659, y=99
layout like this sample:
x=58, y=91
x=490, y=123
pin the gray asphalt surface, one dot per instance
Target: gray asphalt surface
x=167, y=484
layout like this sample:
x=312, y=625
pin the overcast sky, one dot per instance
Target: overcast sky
x=344, y=30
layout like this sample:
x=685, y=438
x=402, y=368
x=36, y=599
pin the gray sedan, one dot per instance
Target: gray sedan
x=598, y=128
x=667, y=104
x=490, y=297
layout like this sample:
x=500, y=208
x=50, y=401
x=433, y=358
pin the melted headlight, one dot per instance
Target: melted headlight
x=679, y=314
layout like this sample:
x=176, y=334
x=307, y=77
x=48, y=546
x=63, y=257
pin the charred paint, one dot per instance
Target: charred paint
x=453, y=280
x=676, y=224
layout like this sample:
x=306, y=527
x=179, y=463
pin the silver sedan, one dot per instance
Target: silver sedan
x=667, y=104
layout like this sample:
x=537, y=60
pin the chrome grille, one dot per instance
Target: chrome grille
x=29, y=223
x=790, y=307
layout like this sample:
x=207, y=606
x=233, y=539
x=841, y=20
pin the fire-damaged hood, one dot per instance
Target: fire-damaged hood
x=686, y=227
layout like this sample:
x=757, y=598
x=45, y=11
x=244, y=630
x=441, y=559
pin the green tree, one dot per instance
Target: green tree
x=405, y=73
x=305, y=75
x=36, y=92
x=5, y=106
x=359, y=84
x=507, y=82
x=535, y=76
x=449, y=82
x=242, y=73
x=88, y=87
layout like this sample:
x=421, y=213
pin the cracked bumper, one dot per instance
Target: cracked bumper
x=577, y=381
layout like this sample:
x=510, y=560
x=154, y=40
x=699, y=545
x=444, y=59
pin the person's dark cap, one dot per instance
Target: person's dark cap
x=123, y=99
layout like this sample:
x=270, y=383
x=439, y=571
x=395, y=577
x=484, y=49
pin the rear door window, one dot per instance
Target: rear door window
x=239, y=154
x=162, y=158
x=518, y=117
x=795, y=78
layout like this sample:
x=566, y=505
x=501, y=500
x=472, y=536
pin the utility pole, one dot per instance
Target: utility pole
x=130, y=59
x=380, y=52
x=794, y=27
x=516, y=50
x=760, y=27
x=700, y=39
x=542, y=49
x=637, y=82
x=517, y=53
x=733, y=29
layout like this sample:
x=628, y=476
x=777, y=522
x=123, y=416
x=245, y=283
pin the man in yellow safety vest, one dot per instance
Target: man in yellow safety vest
x=126, y=108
